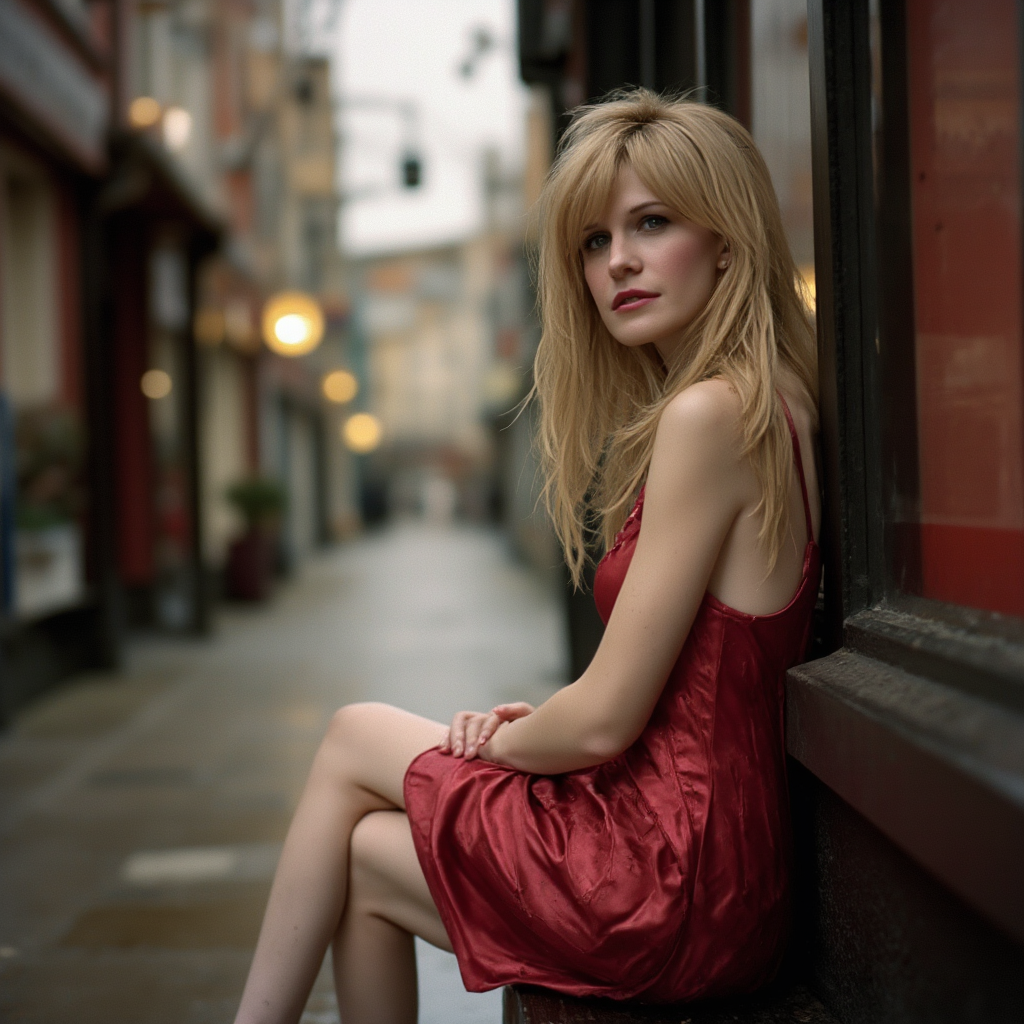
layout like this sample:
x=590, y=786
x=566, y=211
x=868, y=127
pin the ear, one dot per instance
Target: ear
x=724, y=256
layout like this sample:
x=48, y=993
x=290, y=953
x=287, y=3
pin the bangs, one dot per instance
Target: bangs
x=668, y=164
x=665, y=161
x=587, y=192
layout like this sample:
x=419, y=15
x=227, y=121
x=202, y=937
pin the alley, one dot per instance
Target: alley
x=143, y=812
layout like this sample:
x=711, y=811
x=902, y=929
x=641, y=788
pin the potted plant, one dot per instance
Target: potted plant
x=250, y=564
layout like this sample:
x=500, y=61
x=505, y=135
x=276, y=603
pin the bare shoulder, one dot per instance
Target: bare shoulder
x=698, y=474
x=709, y=414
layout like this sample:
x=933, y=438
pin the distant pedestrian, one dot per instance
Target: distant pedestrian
x=629, y=837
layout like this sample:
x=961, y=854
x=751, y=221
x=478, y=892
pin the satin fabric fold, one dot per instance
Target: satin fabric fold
x=662, y=874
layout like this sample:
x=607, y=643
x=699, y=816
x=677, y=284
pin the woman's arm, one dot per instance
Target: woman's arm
x=698, y=483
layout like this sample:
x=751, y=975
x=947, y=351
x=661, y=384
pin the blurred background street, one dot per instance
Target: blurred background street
x=143, y=811
x=267, y=320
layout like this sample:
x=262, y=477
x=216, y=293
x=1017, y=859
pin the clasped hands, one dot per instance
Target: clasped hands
x=470, y=730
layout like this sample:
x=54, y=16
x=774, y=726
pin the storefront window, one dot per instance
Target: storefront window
x=964, y=543
x=40, y=514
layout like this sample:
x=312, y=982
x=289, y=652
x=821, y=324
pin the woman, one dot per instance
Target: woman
x=627, y=838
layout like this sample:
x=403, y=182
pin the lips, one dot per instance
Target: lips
x=631, y=298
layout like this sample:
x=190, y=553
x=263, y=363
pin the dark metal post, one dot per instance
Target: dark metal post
x=101, y=403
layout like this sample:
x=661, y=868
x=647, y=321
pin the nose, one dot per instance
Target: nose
x=623, y=258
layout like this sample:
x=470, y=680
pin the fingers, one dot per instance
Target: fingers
x=455, y=742
x=510, y=712
x=463, y=739
x=470, y=730
x=472, y=735
x=477, y=733
x=487, y=729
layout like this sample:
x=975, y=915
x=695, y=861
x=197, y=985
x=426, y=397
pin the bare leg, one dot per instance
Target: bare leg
x=359, y=768
x=388, y=902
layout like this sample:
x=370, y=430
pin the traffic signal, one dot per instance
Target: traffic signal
x=411, y=170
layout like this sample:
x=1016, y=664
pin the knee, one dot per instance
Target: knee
x=345, y=741
x=350, y=723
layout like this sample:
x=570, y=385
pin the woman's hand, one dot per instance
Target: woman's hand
x=470, y=730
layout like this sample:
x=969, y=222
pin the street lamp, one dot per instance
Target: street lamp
x=293, y=323
x=362, y=433
x=339, y=386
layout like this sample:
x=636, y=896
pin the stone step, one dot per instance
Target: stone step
x=795, y=1004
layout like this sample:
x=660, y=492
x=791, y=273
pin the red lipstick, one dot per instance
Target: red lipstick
x=632, y=298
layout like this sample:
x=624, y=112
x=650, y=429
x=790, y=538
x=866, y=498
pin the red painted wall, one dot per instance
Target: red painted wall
x=964, y=80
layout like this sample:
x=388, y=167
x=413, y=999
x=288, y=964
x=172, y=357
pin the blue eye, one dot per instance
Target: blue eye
x=652, y=221
x=595, y=242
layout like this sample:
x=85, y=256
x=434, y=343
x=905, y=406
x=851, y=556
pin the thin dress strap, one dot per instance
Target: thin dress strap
x=799, y=468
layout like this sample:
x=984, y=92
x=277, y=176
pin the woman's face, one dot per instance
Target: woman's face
x=649, y=270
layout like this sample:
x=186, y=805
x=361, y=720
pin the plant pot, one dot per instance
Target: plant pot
x=250, y=566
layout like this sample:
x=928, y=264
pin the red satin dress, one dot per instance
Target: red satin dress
x=661, y=875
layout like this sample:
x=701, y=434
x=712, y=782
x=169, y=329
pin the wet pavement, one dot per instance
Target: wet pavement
x=142, y=813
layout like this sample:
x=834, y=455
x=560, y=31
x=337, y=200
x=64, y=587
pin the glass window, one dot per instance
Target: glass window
x=965, y=541
x=40, y=527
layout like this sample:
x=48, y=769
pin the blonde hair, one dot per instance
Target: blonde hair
x=600, y=401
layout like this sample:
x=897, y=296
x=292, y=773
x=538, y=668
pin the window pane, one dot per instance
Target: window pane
x=964, y=106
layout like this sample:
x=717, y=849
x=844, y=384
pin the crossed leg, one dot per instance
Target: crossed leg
x=357, y=772
x=388, y=903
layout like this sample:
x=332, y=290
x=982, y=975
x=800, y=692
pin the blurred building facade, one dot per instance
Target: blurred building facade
x=166, y=167
x=448, y=336
x=893, y=135
x=55, y=121
x=423, y=318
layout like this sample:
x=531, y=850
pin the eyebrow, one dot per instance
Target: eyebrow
x=632, y=210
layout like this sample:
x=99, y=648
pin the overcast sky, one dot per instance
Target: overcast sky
x=411, y=50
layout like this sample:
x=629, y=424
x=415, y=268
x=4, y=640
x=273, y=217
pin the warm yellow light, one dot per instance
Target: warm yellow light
x=362, y=432
x=143, y=112
x=806, y=272
x=177, y=127
x=340, y=386
x=293, y=323
x=156, y=384
x=293, y=329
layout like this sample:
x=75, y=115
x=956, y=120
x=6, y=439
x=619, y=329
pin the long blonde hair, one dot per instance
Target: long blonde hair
x=599, y=401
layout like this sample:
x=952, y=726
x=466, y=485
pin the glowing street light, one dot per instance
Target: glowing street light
x=293, y=323
x=339, y=386
x=177, y=126
x=144, y=112
x=362, y=433
x=156, y=384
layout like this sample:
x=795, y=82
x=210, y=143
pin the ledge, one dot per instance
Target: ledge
x=526, y=1004
x=938, y=770
x=974, y=651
